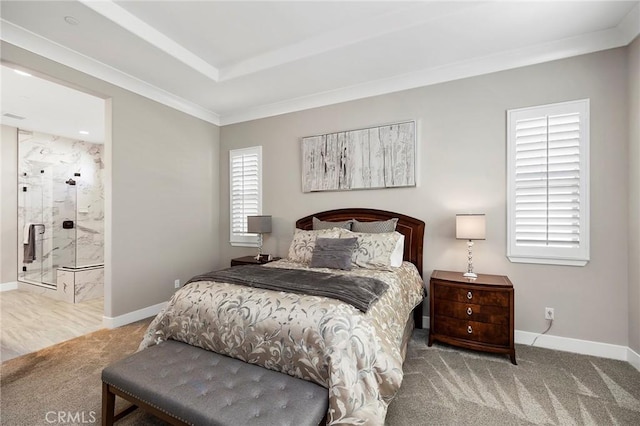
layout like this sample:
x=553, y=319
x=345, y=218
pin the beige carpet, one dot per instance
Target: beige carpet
x=442, y=386
x=447, y=386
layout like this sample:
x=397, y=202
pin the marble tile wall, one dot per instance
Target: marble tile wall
x=75, y=286
x=46, y=162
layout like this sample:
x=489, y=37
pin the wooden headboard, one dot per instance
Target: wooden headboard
x=411, y=228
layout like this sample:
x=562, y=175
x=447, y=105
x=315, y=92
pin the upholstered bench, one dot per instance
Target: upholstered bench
x=186, y=385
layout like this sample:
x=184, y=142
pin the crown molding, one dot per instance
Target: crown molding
x=146, y=32
x=25, y=39
x=574, y=46
x=365, y=29
x=622, y=35
x=376, y=26
x=630, y=24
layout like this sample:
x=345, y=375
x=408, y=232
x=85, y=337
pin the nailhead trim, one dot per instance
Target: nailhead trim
x=149, y=403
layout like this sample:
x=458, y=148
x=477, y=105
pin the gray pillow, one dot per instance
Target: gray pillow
x=319, y=224
x=334, y=253
x=375, y=227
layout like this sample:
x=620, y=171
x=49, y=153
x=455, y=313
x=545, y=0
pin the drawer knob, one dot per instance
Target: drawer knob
x=469, y=311
x=469, y=295
x=469, y=329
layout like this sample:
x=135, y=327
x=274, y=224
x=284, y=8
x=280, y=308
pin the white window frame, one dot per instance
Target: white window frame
x=244, y=239
x=572, y=256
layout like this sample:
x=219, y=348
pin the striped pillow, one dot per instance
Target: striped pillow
x=377, y=227
x=319, y=224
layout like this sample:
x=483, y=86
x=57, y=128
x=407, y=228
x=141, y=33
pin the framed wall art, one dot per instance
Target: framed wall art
x=376, y=157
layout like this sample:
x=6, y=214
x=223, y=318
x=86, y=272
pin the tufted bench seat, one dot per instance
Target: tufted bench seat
x=183, y=384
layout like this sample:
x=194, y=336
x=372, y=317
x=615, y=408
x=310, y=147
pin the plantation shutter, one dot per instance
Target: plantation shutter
x=548, y=204
x=245, y=176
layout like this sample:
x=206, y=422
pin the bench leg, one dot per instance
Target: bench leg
x=108, y=405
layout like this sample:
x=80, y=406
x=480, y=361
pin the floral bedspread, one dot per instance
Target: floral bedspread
x=357, y=356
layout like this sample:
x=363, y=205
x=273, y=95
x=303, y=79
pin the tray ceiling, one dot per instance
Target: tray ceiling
x=227, y=62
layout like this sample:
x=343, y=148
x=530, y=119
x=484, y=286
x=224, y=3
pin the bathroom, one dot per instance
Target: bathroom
x=52, y=213
x=60, y=216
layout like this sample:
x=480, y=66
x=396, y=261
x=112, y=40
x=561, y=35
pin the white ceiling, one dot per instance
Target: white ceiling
x=44, y=106
x=228, y=62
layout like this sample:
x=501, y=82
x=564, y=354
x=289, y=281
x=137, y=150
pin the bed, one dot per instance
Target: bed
x=356, y=355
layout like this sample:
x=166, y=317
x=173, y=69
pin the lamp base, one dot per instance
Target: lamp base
x=257, y=257
x=470, y=274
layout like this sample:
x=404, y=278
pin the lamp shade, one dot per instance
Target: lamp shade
x=470, y=226
x=259, y=224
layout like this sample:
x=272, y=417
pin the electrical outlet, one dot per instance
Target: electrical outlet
x=176, y=284
x=548, y=313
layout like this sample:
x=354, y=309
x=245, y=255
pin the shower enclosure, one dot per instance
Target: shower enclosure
x=49, y=207
x=60, y=202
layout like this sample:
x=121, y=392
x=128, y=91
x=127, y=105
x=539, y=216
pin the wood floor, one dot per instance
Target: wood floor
x=30, y=321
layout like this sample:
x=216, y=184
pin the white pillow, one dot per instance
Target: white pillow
x=398, y=253
x=303, y=243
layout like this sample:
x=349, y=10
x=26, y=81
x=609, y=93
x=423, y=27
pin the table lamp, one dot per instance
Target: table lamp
x=259, y=225
x=470, y=227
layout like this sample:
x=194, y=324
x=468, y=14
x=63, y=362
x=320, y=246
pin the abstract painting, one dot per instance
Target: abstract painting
x=376, y=157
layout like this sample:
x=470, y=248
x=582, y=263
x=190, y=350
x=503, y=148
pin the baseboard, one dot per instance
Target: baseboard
x=633, y=358
x=128, y=318
x=12, y=285
x=567, y=344
x=425, y=322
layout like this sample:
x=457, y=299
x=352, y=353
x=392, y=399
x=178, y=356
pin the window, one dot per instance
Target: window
x=548, y=184
x=245, y=188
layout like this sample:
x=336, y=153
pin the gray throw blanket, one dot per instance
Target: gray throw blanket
x=30, y=246
x=359, y=292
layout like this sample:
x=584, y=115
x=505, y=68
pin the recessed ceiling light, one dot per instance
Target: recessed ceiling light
x=83, y=132
x=71, y=20
x=20, y=72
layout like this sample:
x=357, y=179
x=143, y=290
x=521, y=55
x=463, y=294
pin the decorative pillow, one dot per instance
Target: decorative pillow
x=373, y=251
x=398, y=253
x=334, y=253
x=319, y=224
x=303, y=243
x=375, y=227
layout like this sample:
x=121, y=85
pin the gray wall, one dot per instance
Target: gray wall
x=634, y=195
x=9, y=205
x=462, y=166
x=161, y=193
x=167, y=197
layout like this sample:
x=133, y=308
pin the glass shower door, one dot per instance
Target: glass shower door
x=34, y=252
x=61, y=193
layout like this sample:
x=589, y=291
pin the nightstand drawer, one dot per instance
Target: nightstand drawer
x=472, y=312
x=493, y=334
x=470, y=295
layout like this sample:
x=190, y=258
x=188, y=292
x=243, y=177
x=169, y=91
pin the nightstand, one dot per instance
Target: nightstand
x=250, y=260
x=472, y=313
